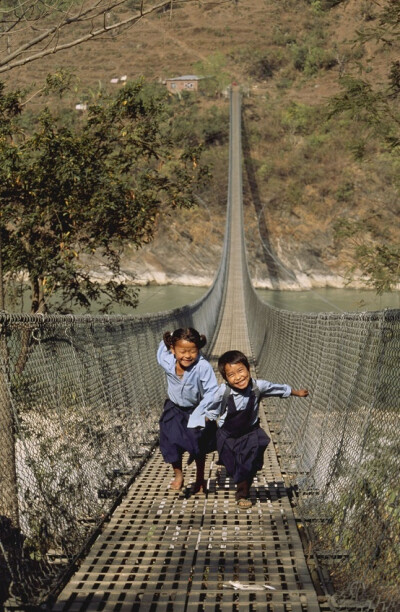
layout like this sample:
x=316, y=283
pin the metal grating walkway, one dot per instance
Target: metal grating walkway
x=166, y=551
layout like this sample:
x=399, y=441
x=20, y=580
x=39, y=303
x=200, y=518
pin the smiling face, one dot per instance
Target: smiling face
x=185, y=353
x=237, y=375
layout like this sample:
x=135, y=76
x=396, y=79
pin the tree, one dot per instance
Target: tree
x=378, y=262
x=72, y=193
x=376, y=109
x=32, y=29
x=376, y=106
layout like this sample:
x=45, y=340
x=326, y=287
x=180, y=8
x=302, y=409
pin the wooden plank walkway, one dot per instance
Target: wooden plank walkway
x=166, y=551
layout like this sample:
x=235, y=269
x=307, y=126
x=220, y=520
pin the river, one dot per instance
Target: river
x=154, y=299
x=157, y=298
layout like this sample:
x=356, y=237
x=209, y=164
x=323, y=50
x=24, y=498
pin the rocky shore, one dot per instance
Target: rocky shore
x=187, y=248
x=188, y=251
x=151, y=268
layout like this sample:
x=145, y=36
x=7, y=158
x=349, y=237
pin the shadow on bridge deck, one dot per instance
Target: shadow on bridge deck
x=163, y=550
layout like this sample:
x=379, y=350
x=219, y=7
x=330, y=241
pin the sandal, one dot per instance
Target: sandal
x=244, y=503
x=177, y=486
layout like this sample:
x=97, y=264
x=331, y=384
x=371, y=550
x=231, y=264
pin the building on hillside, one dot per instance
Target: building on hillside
x=187, y=82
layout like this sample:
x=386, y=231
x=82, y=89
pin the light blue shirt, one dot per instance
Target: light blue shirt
x=195, y=389
x=241, y=398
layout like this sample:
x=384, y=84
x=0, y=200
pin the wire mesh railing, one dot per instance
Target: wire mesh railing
x=79, y=407
x=340, y=450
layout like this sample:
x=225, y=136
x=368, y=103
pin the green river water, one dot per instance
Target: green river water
x=155, y=299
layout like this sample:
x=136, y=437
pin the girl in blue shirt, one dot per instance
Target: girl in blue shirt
x=241, y=441
x=192, y=385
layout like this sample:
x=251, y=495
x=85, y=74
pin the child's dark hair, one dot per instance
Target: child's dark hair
x=232, y=357
x=187, y=333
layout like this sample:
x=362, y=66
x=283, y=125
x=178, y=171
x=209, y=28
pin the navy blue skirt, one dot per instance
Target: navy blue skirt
x=242, y=457
x=176, y=438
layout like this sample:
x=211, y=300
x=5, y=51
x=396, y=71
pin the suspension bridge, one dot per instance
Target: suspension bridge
x=88, y=521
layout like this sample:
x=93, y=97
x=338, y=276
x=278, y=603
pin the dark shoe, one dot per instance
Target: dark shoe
x=200, y=487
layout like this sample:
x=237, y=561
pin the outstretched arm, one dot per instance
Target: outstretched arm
x=300, y=392
x=164, y=356
x=210, y=387
x=213, y=411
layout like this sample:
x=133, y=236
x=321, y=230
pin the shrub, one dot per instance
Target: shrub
x=309, y=59
x=263, y=65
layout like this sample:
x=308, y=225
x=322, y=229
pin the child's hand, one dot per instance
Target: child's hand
x=300, y=392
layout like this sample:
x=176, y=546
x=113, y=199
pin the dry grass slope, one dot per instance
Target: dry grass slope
x=300, y=176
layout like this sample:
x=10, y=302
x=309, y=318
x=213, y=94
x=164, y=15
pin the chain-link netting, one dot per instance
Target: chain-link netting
x=340, y=449
x=80, y=399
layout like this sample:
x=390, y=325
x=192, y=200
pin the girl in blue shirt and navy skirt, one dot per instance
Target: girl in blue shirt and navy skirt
x=241, y=441
x=192, y=385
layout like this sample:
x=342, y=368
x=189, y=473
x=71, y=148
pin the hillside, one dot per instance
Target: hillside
x=301, y=173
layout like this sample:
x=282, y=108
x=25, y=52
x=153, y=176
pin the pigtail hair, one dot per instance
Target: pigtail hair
x=167, y=337
x=188, y=333
x=203, y=341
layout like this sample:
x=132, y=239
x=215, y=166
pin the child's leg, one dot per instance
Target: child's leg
x=200, y=484
x=242, y=490
x=177, y=483
x=242, y=494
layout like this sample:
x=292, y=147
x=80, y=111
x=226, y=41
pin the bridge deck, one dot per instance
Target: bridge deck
x=164, y=550
x=169, y=551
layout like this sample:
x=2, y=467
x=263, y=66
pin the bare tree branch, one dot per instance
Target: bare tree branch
x=57, y=26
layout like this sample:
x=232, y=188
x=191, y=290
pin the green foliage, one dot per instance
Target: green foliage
x=191, y=125
x=367, y=10
x=365, y=521
x=214, y=69
x=300, y=118
x=281, y=37
x=376, y=106
x=374, y=109
x=386, y=27
x=312, y=54
x=306, y=170
x=215, y=126
x=378, y=262
x=262, y=68
x=265, y=170
x=357, y=99
x=71, y=193
x=311, y=58
x=59, y=82
x=261, y=64
x=328, y=4
x=10, y=108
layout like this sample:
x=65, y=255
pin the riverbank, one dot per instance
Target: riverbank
x=191, y=256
